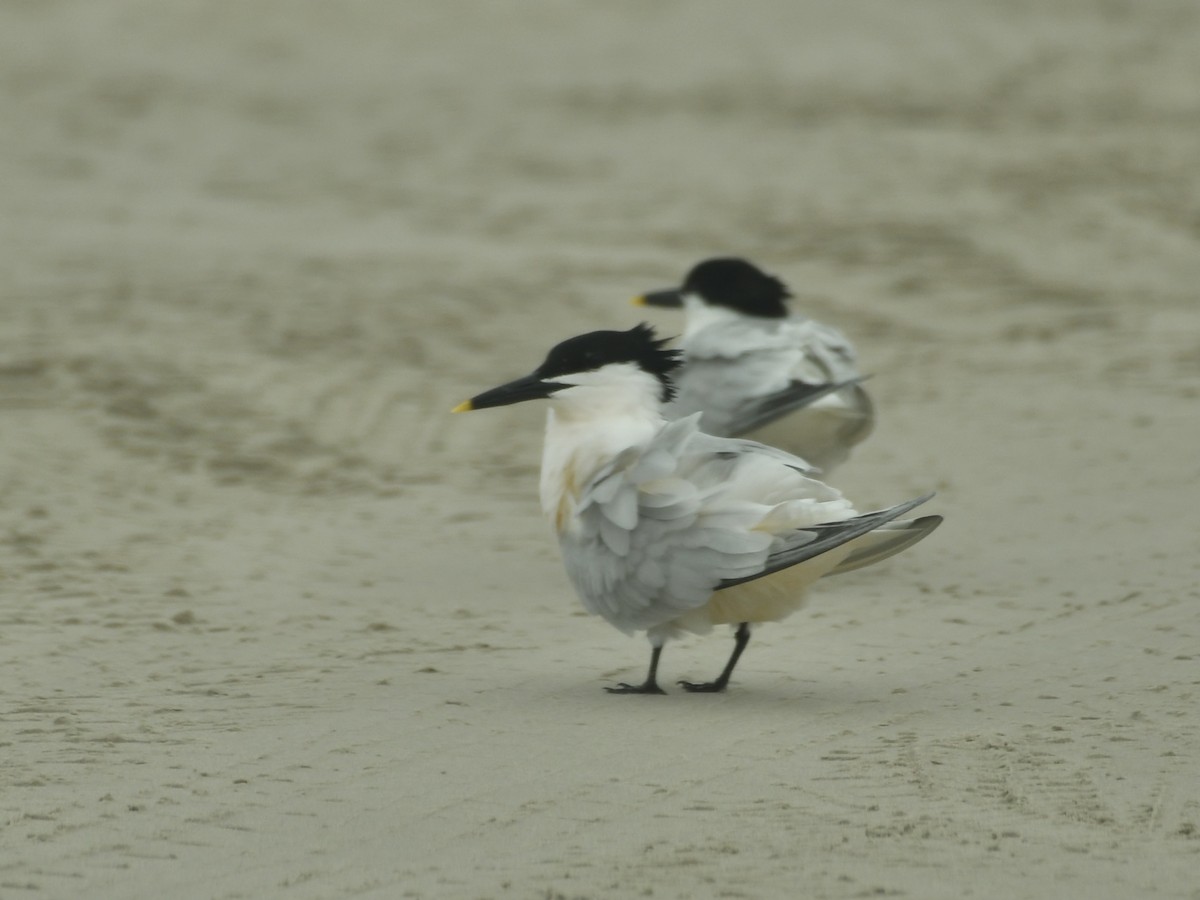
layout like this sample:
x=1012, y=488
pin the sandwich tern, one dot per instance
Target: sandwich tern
x=666, y=529
x=750, y=362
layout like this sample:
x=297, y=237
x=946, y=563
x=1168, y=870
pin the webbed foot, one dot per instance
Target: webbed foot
x=649, y=687
x=703, y=687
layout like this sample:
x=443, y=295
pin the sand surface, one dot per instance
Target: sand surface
x=274, y=624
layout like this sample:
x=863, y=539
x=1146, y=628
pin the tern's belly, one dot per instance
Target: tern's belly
x=774, y=597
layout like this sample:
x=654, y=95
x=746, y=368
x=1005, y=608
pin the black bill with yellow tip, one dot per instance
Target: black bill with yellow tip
x=528, y=388
x=672, y=298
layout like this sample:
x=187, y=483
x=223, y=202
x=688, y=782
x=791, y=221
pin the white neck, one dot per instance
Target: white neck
x=700, y=315
x=602, y=414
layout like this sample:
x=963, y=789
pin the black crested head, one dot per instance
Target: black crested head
x=591, y=351
x=740, y=285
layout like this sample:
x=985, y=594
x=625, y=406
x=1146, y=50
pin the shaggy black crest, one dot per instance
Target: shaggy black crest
x=739, y=285
x=589, y=352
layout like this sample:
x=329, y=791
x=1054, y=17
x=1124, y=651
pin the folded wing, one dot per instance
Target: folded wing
x=806, y=543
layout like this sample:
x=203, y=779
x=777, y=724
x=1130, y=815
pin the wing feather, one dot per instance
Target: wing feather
x=761, y=411
x=806, y=543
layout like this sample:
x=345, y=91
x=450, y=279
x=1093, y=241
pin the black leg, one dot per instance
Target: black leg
x=649, y=686
x=741, y=638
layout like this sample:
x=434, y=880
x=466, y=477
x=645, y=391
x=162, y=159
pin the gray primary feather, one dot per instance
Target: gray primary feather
x=887, y=541
x=758, y=412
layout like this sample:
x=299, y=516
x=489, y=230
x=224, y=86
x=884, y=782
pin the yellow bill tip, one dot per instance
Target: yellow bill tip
x=639, y=300
x=465, y=406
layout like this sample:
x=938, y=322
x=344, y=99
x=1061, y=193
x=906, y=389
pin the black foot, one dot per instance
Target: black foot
x=704, y=687
x=741, y=639
x=650, y=687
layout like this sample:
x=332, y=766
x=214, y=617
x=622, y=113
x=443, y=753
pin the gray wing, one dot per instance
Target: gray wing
x=825, y=364
x=648, y=543
x=813, y=541
x=761, y=411
x=745, y=375
x=721, y=387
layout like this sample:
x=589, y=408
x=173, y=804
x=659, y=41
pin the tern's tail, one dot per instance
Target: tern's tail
x=886, y=541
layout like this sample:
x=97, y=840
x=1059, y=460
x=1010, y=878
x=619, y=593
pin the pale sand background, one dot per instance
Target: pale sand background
x=273, y=624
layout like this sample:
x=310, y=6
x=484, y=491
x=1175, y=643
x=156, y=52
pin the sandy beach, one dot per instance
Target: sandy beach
x=274, y=624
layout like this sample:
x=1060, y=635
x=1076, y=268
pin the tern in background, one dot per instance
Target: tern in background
x=666, y=529
x=752, y=366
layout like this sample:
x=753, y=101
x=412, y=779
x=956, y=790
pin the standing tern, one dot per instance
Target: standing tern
x=749, y=362
x=666, y=529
